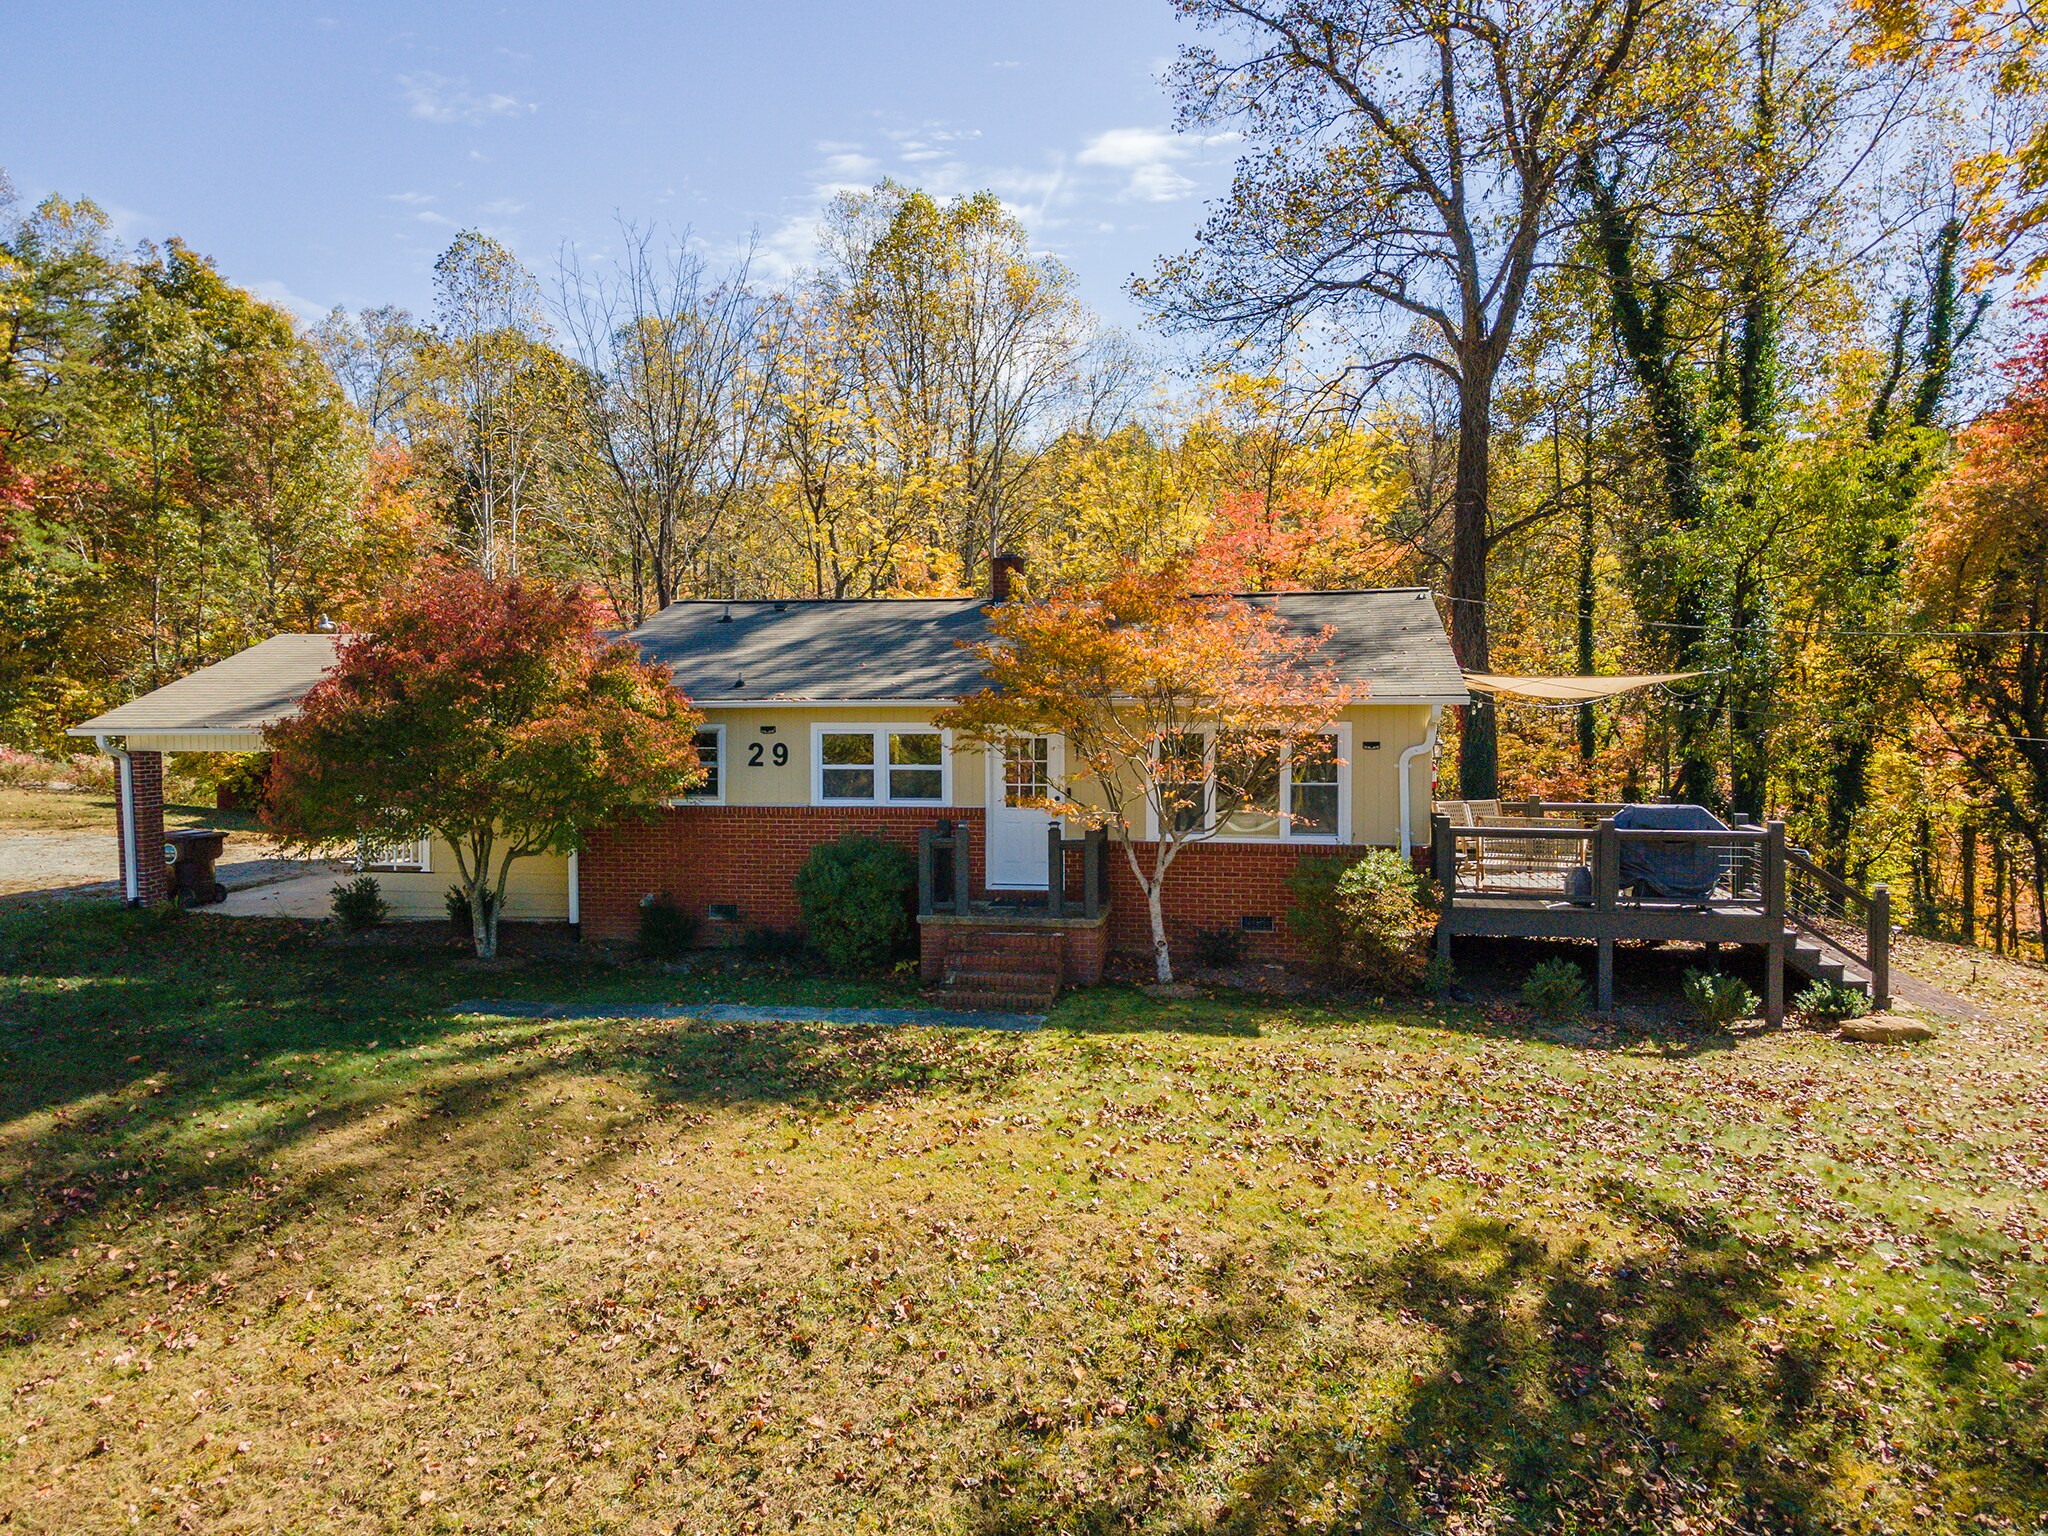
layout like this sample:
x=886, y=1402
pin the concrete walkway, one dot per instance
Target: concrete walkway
x=736, y=1013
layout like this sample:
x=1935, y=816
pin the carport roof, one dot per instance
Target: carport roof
x=246, y=692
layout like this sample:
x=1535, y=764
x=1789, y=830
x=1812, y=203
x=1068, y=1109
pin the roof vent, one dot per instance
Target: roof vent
x=739, y=682
x=726, y=617
x=780, y=607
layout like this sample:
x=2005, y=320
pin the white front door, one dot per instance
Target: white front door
x=1026, y=766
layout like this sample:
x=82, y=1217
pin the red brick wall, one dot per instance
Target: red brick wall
x=744, y=854
x=749, y=856
x=146, y=774
x=1211, y=885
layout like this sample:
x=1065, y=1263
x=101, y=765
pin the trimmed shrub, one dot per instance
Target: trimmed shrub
x=1832, y=1000
x=1367, y=918
x=1439, y=976
x=666, y=930
x=457, y=903
x=857, y=897
x=1556, y=989
x=359, y=905
x=1219, y=947
x=1718, y=999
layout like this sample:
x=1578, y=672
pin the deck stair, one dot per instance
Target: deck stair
x=1004, y=970
x=1818, y=960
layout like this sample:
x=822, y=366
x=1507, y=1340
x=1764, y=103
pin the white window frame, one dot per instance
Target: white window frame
x=697, y=796
x=1289, y=833
x=881, y=734
x=421, y=862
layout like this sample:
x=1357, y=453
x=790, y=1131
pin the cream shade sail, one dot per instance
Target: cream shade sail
x=1570, y=690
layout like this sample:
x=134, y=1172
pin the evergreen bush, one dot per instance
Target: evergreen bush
x=857, y=896
x=1719, y=999
x=1367, y=918
x=1556, y=989
x=666, y=930
x=359, y=905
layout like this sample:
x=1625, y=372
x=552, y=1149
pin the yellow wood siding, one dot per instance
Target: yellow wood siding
x=1375, y=782
x=538, y=890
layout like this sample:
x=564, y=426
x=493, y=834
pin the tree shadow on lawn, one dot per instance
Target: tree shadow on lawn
x=157, y=1064
x=1565, y=1391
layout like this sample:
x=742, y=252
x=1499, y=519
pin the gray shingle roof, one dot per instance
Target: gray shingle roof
x=876, y=651
x=906, y=649
x=248, y=690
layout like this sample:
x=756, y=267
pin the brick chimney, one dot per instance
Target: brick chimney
x=1002, y=571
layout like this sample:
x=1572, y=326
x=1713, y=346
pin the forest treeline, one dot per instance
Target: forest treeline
x=1674, y=337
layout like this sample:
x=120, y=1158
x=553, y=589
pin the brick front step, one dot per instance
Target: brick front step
x=999, y=942
x=996, y=1002
x=1003, y=978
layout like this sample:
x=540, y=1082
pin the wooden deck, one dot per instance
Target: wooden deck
x=1555, y=871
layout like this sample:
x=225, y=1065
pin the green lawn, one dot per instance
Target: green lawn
x=287, y=1249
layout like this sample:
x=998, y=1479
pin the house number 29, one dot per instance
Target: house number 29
x=754, y=754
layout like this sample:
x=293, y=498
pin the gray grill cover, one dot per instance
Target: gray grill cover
x=1685, y=871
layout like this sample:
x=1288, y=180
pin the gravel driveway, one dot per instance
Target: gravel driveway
x=88, y=863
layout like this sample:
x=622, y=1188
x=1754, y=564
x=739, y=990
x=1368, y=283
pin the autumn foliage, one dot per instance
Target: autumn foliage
x=491, y=713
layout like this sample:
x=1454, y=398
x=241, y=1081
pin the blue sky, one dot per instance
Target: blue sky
x=325, y=154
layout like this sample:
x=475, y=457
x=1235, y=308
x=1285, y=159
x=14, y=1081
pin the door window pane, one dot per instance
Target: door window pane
x=915, y=769
x=848, y=759
x=1026, y=772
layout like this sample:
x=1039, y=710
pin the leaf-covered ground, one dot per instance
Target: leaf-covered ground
x=285, y=1249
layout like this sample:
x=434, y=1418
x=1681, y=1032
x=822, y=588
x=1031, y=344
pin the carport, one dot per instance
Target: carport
x=221, y=708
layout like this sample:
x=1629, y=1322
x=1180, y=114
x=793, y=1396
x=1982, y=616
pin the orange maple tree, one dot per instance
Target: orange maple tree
x=1175, y=708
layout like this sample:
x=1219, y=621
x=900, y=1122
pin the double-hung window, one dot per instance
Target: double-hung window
x=1252, y=789
x=710, y=790
x=879, y=765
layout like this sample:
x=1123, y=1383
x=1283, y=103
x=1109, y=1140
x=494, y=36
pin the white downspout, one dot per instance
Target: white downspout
x=1427, y=744
x=131, y=875
x=575, y=889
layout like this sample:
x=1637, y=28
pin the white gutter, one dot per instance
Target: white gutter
x=131, y=874
x=1427, y=744
x=575, y=889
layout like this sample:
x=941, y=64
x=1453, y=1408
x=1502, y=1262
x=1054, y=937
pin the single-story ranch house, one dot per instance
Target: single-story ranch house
x=818, y=723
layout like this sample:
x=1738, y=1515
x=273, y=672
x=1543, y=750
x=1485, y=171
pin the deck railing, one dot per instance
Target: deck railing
x=1549, y=860
x=944, y=867
x=1091, y=845
x=1569, y=854
x=1856, y=923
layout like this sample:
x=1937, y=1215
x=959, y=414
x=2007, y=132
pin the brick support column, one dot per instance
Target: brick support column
x=145, y=813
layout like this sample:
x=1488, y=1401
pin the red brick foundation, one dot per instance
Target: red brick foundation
x=153, y=876
x=748, y=856
x=742, y=855
x=1211, y=885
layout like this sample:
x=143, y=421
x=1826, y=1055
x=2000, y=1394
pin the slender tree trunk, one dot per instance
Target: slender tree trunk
x=1969, y=860
x=1478, y=742
x=1997, y=895
x=2040, y=901
x=1587, y=744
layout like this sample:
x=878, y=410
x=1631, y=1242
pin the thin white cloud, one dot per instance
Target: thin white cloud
x=1149, y=160
x=410, y=199
x=436, y=98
